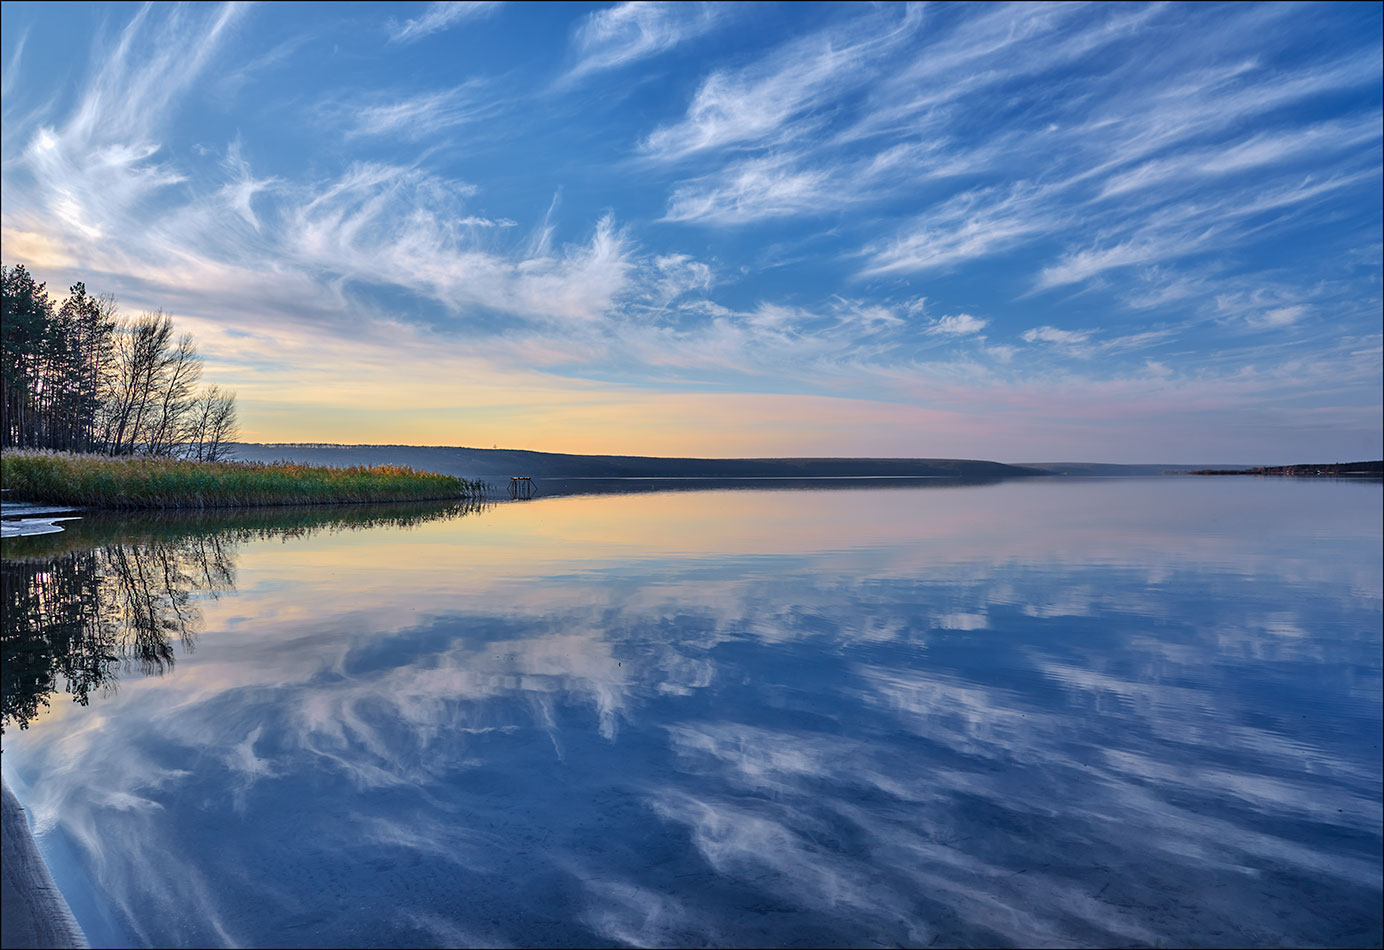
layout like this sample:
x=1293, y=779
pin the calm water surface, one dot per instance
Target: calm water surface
x=1041, y=712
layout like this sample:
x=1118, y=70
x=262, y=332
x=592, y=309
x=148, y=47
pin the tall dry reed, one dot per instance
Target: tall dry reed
x=99, y=481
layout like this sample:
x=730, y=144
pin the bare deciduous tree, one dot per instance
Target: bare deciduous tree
x=179, y=371
x=213, y=425
x=78, y=377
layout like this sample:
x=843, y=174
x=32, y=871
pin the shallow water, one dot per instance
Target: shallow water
x=1094, y=712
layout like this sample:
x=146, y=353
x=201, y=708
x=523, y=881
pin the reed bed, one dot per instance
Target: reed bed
x=98, y=481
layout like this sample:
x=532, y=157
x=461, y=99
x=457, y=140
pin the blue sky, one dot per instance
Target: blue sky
x=1124, y=233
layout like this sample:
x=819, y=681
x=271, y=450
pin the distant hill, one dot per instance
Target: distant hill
x=502, y=463
x=1373, y=469
x=1106, y=469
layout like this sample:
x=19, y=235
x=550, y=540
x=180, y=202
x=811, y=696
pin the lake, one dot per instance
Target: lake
x=1045, y=711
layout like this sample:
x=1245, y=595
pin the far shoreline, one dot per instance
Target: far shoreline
x=1350, y=470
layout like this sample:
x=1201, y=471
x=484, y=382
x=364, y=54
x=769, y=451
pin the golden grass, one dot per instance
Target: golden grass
x=99, y=481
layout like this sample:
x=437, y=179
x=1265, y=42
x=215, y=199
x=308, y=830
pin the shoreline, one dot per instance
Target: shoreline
x=33, y=912
x=143, y=482
x=24, y=519
x=1352, y=470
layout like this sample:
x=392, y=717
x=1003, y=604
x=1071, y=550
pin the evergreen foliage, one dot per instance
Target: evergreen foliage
x=78, y=377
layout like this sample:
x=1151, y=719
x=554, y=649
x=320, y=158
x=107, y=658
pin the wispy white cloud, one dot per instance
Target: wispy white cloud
x=442, y=15
x=629, y=32
x=1148, y=117
x=799, y=88
x=138, y=81
x=1145, y=190
x=89, y=171
x=1141, y=341
x=400, y=225
x=1263, y=307
x=1151, y=231
x=418, y=116
x=1081, y=265
x=99, y=174
x=1151, y=234
x=1001, y=44
x=1108, y=169
x=1085, y=344
x=1267, y=148
x=7, y=81
x=229, y=84
x=1283, y=316
x=240, y=192
x=472, y=221
x=1054, y=335
x=1158, y=286
x=794, y=182
x=969, y=226
x=677, y=275
x=772, y=101
x=1171, y=231
x=753, y=190
x=961, y=324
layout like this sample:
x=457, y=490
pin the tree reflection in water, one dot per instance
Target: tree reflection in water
x=112, y=594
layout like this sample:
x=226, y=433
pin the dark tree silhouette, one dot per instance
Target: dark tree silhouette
x=82, y=607
x=77, y=377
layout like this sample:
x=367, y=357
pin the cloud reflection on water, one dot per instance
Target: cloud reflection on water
x=1028, y=714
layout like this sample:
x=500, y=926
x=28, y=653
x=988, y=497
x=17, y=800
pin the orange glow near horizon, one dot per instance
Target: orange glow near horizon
x=650, y=423
x=295, y=384
x=373, y=380
x=399, y=384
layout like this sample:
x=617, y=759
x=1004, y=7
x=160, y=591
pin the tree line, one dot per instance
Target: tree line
x=77, y=376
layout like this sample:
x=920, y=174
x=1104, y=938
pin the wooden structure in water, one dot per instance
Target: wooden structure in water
x=520, y=486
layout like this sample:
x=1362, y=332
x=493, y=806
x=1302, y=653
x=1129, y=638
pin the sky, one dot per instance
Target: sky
x=1122, y=233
